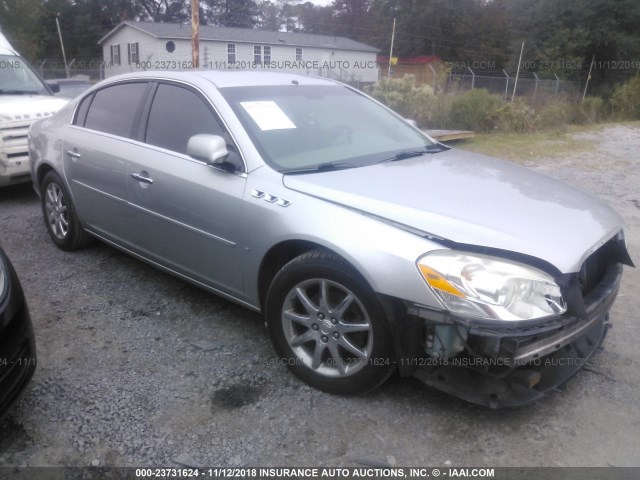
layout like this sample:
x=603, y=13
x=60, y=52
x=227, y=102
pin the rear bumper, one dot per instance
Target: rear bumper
x=17, y=345
x=508, y=367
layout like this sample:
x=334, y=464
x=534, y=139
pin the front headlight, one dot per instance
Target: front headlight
x=489, y=287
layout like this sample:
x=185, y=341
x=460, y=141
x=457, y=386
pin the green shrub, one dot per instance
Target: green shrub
x=481, y=111
x=625, y=101
x=436, y=114
x=395, y=93
x=591, y=110
x=555, y=113
x=471, y=110
x=516, y=117
x=418, y=103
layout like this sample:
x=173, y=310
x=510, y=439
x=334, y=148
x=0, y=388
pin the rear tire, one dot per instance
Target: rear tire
x=328, y=326
x=60, y=217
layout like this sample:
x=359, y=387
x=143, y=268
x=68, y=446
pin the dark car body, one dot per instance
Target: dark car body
x=17, y=342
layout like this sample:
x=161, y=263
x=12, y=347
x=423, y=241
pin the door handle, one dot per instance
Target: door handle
x=140, y=178
x=73, y=154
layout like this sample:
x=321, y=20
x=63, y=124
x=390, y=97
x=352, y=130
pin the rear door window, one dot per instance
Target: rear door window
x=116, y=109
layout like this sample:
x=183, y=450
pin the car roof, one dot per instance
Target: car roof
x=5, y=46
x=68, y=81
x=223, y=79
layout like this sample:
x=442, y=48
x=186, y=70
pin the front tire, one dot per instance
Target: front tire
x=60, y=217
x=328, y=326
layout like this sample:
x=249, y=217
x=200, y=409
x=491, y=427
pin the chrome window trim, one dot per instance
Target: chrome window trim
x=169, y=81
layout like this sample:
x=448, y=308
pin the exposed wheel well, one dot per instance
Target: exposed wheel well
x=278, y=257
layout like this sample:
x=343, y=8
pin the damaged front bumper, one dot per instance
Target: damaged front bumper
x=499, y=366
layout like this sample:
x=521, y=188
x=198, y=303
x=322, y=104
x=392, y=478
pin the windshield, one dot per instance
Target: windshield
x=16, y=77
x=307, y=127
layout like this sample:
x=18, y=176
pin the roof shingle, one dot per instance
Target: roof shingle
x=244, y=35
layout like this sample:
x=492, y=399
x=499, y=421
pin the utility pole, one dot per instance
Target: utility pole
x=64, y=56
x=195, y=33
x=393, y=35
x=515, y=84
x=588, y=77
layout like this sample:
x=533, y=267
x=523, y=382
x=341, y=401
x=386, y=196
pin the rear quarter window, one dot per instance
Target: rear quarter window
x=83, y=109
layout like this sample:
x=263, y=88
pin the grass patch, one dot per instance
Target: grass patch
x=524, y=147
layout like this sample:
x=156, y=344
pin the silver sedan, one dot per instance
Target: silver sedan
x=368, y=247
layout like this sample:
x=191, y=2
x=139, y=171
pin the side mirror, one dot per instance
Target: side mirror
x=54, y=87
x=211, y=149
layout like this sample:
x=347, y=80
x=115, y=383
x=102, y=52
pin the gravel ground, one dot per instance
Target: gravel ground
x=137, y=368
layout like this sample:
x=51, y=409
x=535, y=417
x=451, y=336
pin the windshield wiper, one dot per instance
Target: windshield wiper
x=435, y=148
x=404, y=155
x=323, y=167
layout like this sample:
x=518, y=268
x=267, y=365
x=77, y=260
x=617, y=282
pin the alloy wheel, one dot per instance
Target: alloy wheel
x=56, y=209
x=327, y=327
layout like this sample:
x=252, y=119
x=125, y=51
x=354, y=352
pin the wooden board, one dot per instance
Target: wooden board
x=447, y=135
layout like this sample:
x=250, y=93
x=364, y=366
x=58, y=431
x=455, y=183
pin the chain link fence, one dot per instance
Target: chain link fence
x=90, y=69
x=529, y=84
x=442, y=77
x=501, y=82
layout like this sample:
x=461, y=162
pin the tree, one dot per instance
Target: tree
x=17, y=20
x=561, y=34
x=163, y=10
x=351, y=18
x=564, y=35
x=315, y=19
x=232, y=13
x=269, y=16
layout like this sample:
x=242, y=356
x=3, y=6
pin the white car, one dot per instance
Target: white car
x=24, y=98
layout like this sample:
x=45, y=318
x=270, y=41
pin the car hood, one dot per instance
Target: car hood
x=29, y=107
x=473, y=199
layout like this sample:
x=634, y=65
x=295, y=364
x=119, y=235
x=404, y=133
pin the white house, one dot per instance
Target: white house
x=133, y=46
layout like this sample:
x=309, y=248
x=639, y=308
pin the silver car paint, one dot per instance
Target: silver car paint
x=377, y=250
x=446, y=194
x=474, y=199
x=197, y=209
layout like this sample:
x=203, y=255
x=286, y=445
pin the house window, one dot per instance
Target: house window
x=133, y=51
x=231, y=53
x=267, y=54
x=257, y=54
x=299, y=54
x=115, y=54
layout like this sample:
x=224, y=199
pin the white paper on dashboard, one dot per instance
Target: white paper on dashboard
x=268, y=115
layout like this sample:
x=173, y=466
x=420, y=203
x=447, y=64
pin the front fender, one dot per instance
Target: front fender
x=383, y=254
